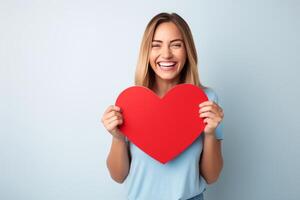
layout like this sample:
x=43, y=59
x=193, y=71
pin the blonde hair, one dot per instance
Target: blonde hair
x=144, y=75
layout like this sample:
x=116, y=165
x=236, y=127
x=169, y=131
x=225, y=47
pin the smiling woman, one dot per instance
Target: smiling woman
x=167, y=57
x=167, y=54
x=167, y=38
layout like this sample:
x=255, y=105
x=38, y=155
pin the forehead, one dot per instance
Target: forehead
x=167, y=31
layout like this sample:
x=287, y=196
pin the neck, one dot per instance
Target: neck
x=161, y=87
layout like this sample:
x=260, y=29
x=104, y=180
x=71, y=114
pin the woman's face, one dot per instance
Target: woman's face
x=167, y=54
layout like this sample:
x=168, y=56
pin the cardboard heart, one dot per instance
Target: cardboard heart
x=162, y=127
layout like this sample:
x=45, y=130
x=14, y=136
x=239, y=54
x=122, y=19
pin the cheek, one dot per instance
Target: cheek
x=182, y=58
x=152, y=63
x=181, y=54
x=152, y=58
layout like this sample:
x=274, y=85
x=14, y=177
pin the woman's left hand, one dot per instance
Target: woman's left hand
x=212, y=114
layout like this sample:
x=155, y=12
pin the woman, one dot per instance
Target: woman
x=167, y=57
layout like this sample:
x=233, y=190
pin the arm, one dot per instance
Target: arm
x=118, y=160
x=211, y=162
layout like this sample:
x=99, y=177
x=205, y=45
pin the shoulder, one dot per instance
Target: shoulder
x=211, y=94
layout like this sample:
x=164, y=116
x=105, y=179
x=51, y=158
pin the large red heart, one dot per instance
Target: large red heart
x=162, y=127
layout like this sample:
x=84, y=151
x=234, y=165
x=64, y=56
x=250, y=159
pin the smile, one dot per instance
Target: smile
x=167, y=66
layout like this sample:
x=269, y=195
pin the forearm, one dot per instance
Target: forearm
x=211, y=163
x=118, y=162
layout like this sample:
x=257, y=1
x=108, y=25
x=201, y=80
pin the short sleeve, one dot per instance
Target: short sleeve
x=212, y=96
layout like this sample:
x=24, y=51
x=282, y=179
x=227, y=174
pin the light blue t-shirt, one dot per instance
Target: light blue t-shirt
x=148, y=179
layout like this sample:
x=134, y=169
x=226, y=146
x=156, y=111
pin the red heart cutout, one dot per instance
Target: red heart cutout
x=162, y=127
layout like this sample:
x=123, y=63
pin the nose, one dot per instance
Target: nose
x=166, y=52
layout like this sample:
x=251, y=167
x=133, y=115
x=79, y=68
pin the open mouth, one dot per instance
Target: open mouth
x=167, y=66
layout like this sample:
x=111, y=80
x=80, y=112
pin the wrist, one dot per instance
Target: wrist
x=210, y=135
x=119, y=137
x=119, y=140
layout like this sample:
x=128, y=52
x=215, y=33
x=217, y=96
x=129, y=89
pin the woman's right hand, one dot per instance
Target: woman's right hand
x=111, y=119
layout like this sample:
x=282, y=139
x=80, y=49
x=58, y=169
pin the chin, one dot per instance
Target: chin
x=167, y=78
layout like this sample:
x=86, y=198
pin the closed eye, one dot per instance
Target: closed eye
x=177, y=45
x=155, y=45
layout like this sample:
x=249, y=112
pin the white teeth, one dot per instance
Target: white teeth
x=166, y=64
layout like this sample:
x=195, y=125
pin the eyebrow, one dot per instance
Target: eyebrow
x=171, y=40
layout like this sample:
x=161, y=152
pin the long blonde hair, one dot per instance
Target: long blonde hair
x=144, y=75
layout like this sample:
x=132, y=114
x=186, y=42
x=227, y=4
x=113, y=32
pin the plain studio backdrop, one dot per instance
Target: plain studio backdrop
x=63, y=62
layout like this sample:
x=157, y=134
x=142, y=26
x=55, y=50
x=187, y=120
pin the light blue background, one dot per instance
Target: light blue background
x=63, y=62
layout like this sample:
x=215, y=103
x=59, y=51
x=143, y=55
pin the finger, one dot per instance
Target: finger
x=113, y=125
x=212, y=116
x=219, y=109
x=208, y=114
x=117, y=122
x=212, y=110
x=213, y=104
x=210, y=122
x=110, y=120
x=112, y=107
x=221, y=112
x=111, y=114
x=216, y=120
x=108, y=109
x=206, y=103
x=117, y=108
x=206, y=109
